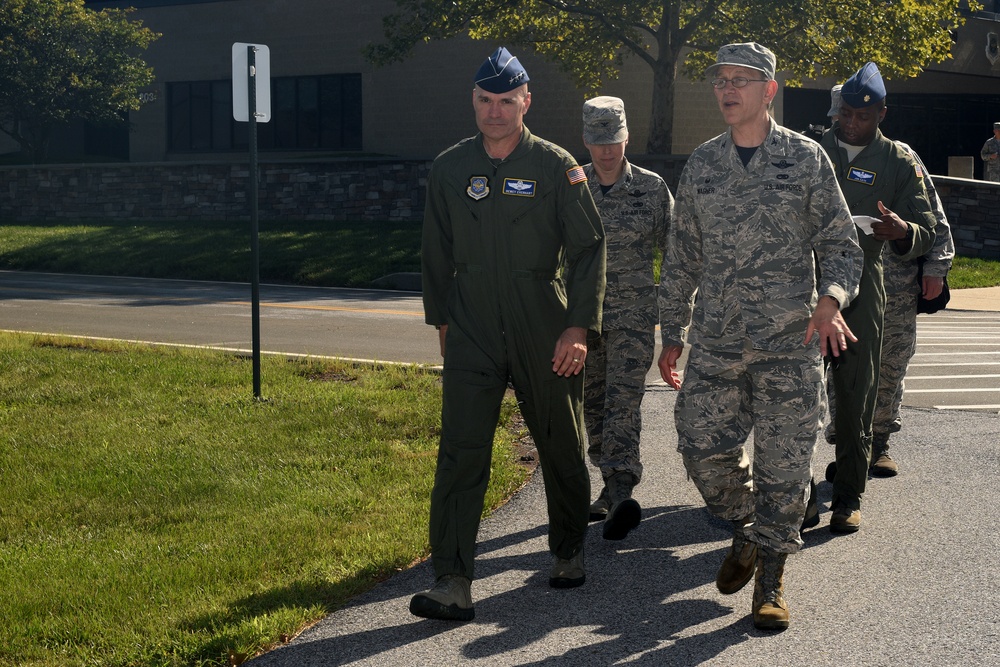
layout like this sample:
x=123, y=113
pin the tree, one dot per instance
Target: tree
x=61, y=61
x=590, y=39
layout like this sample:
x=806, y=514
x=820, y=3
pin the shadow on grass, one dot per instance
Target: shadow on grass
x=327, y=254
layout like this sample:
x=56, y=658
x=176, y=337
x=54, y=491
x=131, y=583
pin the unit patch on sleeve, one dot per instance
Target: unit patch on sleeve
x=861, y=176
x=519, y=187
x=479, y=187
x=576, y=175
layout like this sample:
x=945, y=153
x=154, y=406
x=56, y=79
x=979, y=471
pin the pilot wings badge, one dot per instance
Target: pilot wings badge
x=478, y=187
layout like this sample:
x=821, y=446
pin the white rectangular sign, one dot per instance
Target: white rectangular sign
x=241, y=86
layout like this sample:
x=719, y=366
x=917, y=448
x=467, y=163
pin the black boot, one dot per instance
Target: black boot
x=624, y=513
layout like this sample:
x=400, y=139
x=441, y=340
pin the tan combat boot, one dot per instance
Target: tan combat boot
x=737, y=568
x=770, y=611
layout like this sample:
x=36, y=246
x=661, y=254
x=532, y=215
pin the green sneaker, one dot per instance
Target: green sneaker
x=845, y=520
x=568, y=572
x=449, y=600
x=882, y=464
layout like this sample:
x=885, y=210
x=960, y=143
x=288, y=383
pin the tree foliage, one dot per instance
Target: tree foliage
x=60, y=61
x=590, y=39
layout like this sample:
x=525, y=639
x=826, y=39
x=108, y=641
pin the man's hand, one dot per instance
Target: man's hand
x=833, y=331
x=932, y=287
x=571, y=352
x=668, y=365
x=442, y=332
x=891, y=227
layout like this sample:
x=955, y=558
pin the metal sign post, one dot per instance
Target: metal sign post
x=245, y=64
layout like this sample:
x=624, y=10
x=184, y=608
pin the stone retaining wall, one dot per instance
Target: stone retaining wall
x=973, y=209
x=359, y=189
x=342, y=190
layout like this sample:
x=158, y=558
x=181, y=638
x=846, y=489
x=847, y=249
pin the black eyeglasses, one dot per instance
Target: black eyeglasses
x=738, y=82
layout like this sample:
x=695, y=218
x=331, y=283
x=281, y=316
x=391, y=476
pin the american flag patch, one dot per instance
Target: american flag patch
x=920, y=172
x=576, y=175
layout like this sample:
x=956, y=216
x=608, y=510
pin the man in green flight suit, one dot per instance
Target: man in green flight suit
x=513, y=277
x=884, y=188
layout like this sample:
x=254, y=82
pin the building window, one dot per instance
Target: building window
x=307, y=113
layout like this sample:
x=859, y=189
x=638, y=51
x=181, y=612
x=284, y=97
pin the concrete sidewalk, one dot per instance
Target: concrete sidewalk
x=978, y=298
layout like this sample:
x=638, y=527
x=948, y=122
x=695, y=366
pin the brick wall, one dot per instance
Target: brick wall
x=363, y=189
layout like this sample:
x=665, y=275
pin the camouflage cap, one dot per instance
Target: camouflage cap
x=996, y=125
x=834, y=101
x=501, y=73
x=864, y=88
x=604, y=121
x=747, y=54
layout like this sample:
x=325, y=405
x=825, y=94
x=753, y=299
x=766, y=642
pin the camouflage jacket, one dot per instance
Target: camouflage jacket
x=991, y=168
x=937, y=261
x=745, y=239
x=636, y=212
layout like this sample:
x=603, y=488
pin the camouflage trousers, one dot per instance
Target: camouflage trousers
x=617, y=364
x=777, y=396
x=899, y=340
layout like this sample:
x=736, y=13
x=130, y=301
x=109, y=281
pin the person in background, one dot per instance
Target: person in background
x=635, y=206
x=881, y=183
x=513, y=259
x=899, y=340
x=991, y=156
x=758, y=209
x=905, y=282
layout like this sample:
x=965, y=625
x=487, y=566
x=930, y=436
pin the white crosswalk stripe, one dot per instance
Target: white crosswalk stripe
x=955, y=366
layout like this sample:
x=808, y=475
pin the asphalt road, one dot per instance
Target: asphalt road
x=957, y=365
x=358, y=324
x=913, y=587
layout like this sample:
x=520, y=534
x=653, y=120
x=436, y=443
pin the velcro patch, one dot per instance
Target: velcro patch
x=519, y=187
x=576, y=175
x=861, y=176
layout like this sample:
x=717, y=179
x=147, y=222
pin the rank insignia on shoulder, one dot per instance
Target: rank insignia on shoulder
x=479, y=187
x=861, y=176
x=576, y=175
x=518, y=187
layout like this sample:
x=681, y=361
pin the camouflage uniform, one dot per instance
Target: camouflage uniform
x=636, y=212
x=745, y=238
x=900, y=328
x=991, y=168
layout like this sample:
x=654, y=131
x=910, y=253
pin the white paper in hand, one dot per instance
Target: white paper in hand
x=864, y=223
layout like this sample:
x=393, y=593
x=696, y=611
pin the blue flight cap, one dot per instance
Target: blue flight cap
x=865, y=88
x=501, y=73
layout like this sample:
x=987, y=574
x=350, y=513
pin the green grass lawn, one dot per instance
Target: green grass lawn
x=327, y=254
x=154, y=513
x=974, y=272
x=332, y=254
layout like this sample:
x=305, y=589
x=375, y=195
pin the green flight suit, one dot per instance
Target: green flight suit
x=881, y=172
x=513, y=254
